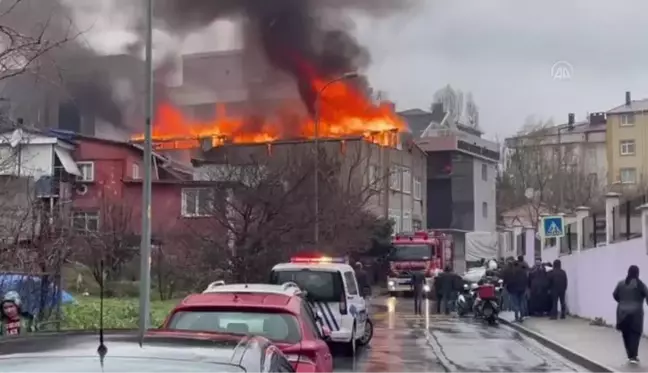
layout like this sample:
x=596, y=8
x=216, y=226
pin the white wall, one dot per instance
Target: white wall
x=594, y=273
x=27, y=160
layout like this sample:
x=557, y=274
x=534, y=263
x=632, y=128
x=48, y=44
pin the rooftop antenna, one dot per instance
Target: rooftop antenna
x=102, y=350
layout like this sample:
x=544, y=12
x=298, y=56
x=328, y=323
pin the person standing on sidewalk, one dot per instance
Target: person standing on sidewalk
x=557, y=287
x=417, y=283
x=515, y=282
x=630, y=295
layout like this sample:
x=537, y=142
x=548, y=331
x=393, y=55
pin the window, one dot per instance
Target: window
x=350, y=280
x=417, y=189
x=628, y=176
x=87, y=171
x=407, y=252
x=484, y=209
x=407, y=180
x=85, y=221
x=484, y=172
x=627, y=119
x=278, y=327
x=136, y=171
x=322, y=286
x=407, y=222
x=627, y=147
x=395, y=178
x=395, y=217
x=374, y=177
x=197, y=201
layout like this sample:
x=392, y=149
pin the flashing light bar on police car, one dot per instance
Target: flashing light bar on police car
x=319, y=260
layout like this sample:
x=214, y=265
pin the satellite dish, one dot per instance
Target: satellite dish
x=529, y=193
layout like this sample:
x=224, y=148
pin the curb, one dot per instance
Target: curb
x=569, y=354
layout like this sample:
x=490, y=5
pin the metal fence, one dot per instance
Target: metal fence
x=626, y=223
x=39, y=293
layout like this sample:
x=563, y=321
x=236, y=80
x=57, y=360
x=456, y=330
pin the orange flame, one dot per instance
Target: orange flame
x=343, y=112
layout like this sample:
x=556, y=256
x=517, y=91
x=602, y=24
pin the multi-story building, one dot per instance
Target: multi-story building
x=627, y=140
x=461, y=170
x=36, y=177
x=109, y=190
x=392, y=178
x=581, y=143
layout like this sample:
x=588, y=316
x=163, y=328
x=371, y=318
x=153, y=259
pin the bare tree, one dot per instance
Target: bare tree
x=541, y=175
x=22, y=46
x=452, y=100
x=459, y=110
x=471, y=111
x=109, y=238
x=261, y=207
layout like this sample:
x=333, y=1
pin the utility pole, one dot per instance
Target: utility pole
x=317, y=112
x=145, y=248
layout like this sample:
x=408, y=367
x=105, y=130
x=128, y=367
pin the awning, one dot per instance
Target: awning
x=68, y=163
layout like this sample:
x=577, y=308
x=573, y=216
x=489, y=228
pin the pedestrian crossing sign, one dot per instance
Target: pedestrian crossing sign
x=553, y=226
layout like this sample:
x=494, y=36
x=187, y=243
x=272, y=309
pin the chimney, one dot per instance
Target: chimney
x=571, y=119
x=597, y=118
x=628, y=99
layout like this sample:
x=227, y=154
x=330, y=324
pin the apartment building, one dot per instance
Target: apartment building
x=461, y=169
x=392, y=178
x=573, y=142
x=627, y=128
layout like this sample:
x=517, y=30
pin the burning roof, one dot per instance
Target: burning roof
x=343, y=111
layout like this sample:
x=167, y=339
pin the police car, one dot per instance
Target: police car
x=334, y=295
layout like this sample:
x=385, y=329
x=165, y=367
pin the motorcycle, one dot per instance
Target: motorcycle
x=466, y=299
x=487, y=305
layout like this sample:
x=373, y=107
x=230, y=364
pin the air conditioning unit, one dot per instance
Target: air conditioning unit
x=81, y=189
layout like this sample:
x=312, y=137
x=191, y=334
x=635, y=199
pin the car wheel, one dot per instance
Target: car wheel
x=368, y=333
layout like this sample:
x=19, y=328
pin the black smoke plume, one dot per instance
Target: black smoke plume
x=70, y=71
x=303, y=38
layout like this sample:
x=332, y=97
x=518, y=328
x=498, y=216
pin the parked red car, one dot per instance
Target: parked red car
x=276, y=312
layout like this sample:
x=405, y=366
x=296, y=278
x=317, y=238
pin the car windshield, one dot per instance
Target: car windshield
x=411, y=252
x=321, y=286
x=115, y=364
x=278, y=327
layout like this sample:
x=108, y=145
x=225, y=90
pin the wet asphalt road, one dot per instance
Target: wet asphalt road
x=403, y=343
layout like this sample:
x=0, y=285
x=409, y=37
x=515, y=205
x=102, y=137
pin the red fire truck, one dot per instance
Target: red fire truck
x=418, y=251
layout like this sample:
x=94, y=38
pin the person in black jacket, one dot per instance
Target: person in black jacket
x=417, y=283
x=446, y=284
x=557, y=287
x=515, y=282
x=630, y=294
x=538, y=294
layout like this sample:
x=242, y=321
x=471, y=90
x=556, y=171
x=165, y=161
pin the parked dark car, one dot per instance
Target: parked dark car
x=159, y=352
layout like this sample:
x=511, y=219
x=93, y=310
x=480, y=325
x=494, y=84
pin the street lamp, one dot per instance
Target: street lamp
x=318, y=99
x=145, y=246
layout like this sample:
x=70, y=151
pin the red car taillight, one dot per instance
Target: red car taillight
x=343, y=305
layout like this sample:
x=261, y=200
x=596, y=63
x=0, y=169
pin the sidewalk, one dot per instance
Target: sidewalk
x=600, y=344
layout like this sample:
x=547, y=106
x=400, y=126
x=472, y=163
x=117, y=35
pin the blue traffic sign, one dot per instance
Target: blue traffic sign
x=553, y=226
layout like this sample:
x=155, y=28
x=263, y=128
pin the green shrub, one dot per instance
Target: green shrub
x=119, y=313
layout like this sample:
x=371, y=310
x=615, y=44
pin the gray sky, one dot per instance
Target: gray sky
x=500, y=50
